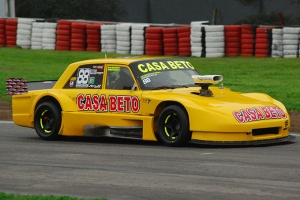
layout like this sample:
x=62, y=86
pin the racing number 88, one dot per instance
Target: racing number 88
x=83, y=76
x=146, y=80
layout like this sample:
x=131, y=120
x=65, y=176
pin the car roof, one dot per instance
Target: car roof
x=121, y=60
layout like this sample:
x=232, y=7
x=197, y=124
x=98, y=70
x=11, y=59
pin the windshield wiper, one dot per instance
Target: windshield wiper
x=164, y=87
x=182, y=86
x=170, y=87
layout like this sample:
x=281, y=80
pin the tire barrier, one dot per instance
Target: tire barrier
x=232, y=35
x=154, y=41
x=78, y=36
x=263, y=42
x=247, y=40
x=277, y=43
x=138, y=39
x=184, y=41
x=123, y=34
x=63, y=35
x=11, y=32
x=24, y=28
x=197, y=39
x=290, y=42
x=170, y=41
x=214, y=41
x=108, y=38
x=93, y=37
x=49, y=36
x=37, y=35
x=2, y=32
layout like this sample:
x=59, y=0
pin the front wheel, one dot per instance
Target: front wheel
x=47, y=120
x=173, y=126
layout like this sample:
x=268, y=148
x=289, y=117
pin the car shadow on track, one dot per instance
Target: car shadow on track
x=125, y=141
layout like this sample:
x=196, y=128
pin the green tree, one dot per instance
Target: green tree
x=271, y=18
x=255, y=3
x=99, y=10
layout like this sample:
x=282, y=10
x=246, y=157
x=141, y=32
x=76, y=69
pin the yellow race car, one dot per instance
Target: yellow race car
x=147, y=98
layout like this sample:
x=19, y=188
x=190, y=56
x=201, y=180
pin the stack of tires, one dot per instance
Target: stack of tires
x=154, y=41
x=93, y=37
x=49, y=36
x=184, y=41
x=277, y=43
x=232, y=35
x=108, y=38
x=24, y=32
x=63, y=35
x=263, y=41
x=170, y=43
x=196, y=39
x=214, y=41
x=138, y=39
x=78, y=36
x=290, y=42
x=123, y=34
x=247, y=40
x=37, y=35
x=2, y=33
x=11, y=26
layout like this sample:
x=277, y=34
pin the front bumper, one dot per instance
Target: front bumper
x=249, y=143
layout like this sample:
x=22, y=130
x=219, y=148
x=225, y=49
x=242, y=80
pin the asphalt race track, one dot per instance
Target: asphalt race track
x=129, y=169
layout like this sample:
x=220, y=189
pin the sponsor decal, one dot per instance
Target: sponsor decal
x=93, y=71
x=111, y=104
x=164, y=65
x=92, y=80
x=71, y=83
x=98, y=67
x=114, y=69
x=261, y=113
x=95, y=86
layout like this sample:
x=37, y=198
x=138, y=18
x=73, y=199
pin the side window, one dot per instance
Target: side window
x=119, y=78
x=87, y=76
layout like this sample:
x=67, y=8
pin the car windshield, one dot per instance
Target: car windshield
x=167, y=79
x=163, y=73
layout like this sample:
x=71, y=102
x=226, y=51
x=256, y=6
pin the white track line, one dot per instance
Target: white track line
x=6, y=122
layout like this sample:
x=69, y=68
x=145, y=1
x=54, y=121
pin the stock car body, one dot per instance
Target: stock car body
x=147, y=98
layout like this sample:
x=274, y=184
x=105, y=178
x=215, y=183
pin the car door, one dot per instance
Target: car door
x=122, y=95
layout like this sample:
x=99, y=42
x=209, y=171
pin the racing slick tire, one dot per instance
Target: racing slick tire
x=47, y=120
x=173, y=126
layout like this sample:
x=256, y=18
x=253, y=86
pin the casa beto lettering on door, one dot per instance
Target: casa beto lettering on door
x=113, y=103
x=256, y=114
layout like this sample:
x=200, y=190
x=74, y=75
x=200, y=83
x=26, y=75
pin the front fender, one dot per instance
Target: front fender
x=265, y=98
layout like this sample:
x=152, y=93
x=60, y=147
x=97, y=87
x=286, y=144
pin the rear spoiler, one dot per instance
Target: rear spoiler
x=17, y=86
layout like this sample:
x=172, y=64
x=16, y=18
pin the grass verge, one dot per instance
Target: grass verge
x=5, y=196
x=277, y=77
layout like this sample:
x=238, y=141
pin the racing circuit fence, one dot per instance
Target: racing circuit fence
x=195, y=39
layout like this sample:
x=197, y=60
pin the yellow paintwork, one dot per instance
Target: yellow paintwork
x=210, y=118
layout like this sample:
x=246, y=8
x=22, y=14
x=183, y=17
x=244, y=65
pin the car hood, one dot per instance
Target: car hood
x=241, y=107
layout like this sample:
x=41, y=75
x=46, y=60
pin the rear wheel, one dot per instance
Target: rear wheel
x=173, y=126
x=47, y=120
